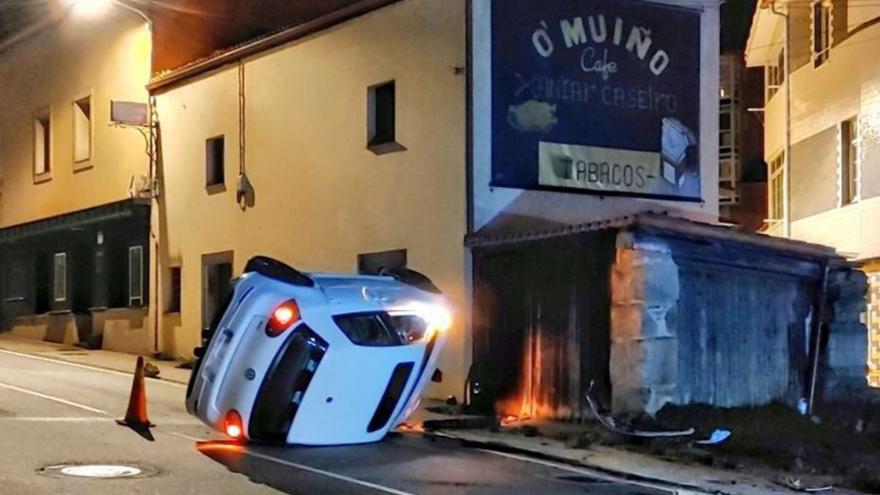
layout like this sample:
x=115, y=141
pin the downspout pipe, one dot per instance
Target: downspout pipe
x=786, y=166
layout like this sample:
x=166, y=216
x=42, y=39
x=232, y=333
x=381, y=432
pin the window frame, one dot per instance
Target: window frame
x=140, y=296
x=48, y=163
x=776, y=178
x=14, y=282
x=821, y=54
x=774, y=77
x=83, y=163
x=175, y=297
x=61, y=256
x=849, y=162
x=211, y=166
x=382, y=142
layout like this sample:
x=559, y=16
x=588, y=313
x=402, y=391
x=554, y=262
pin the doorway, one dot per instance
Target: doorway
x=216, y=284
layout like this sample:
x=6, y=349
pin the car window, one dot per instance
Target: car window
x=381, y=329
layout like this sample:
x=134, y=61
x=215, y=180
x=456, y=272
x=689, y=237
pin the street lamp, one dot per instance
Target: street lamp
x=95, y=8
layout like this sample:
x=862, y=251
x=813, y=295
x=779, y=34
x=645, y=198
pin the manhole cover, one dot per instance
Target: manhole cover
x=98, y=471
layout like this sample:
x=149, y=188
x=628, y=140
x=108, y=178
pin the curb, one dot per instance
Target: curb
x=91, y=365
x=506, y=448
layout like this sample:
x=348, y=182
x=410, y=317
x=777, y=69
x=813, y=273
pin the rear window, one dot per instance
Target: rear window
x=381, y=329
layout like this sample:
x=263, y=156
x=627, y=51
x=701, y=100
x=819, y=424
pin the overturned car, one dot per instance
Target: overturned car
x=317, y=359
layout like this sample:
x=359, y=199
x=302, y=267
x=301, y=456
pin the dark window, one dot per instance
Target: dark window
x=849, y=160
x=214, y=162
x=821, y=33
x=382, y=114
x=374, y=263
x=174, y=290
x=370, y=329
x=14, y=281
x=381, y=329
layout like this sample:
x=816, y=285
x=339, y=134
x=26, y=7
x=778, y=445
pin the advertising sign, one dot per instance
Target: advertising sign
x=596, y=96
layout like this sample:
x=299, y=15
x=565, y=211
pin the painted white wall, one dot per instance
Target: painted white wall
x=575, y=208
x=845, y=86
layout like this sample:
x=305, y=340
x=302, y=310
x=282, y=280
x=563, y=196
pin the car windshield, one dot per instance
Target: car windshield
x=381, y=329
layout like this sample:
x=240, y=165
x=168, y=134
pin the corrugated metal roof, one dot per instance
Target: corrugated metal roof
x=113, y=211
x=664, y=224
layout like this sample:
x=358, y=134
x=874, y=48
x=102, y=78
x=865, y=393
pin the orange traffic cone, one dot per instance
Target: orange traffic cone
x=136, y=415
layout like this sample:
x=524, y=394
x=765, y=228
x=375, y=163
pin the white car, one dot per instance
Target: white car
x=318, y=359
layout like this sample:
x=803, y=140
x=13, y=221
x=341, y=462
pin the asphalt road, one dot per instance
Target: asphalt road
x=54, y=413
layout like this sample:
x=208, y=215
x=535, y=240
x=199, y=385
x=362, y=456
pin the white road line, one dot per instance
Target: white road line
x=42, y=419
x=82, y=366
x=321, y=472
x=186, y=437
x=52, y=398
x=581, y=471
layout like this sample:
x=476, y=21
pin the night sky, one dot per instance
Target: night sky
x=736, y=19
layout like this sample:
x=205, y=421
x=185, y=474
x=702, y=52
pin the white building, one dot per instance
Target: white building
x=822, y=128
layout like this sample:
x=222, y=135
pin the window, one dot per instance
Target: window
x=382, y=116
x=174, y=290
x=59, y=277
x=82, y=130
x=214, y=162
x=14, y=277
x=849, y=161
x=776, y=191
x=775, y=76
x=374, y=263
x=136, y=276
x=821, y=33
x=42, y=145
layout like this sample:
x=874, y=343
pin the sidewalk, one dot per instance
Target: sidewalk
x=110, y=360
x=685, y=477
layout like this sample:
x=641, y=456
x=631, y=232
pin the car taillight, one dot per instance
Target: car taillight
x=233, y=425
x=282, y=318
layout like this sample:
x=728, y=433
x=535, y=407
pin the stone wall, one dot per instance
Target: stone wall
x=644, y=348
x=844, y=361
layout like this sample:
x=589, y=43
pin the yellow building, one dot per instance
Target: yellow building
x=73, y=242
x=822, y=128
x=332, y=183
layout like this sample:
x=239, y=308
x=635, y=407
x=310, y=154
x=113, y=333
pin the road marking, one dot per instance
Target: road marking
x=82, y=366
x=328, y=474
x=40, y=419
x=582, y=471
x=187, y=437
x=52, y=398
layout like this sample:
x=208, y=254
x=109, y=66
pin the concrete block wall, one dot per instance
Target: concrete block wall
x=844, y=362
x=644, y=348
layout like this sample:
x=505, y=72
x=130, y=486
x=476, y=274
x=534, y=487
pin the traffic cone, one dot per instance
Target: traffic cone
x=136, y=415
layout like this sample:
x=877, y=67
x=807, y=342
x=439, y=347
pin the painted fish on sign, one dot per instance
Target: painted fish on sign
x=598, y=97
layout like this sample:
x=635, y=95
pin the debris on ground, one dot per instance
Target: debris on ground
x=151, y=370
x=798, y=486
x=609, y=422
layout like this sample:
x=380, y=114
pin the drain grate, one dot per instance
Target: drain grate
x=98, y=471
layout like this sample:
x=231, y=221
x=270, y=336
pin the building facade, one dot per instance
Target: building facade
x=742, y=172
x=74, y=253
x=342, y=150
x=821, y=140
x=381, y=147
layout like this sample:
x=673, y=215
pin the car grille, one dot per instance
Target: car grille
x=285, y=385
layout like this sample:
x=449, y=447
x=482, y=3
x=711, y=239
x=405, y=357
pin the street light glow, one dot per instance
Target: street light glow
x=89, y=8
